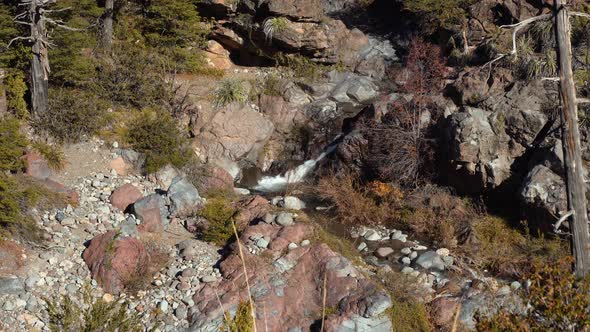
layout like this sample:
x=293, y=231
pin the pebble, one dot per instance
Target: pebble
x=372, y=235
x=285, y=219
x=407, y=270
x=108, y=298
x=209, y=279
x=163, y=306
x=362, y=246
x=406, y=261
x=406, y=251
x=383, y=252
x=443, y=252
x=305, y=243
x=292, y=246
x=515, y=285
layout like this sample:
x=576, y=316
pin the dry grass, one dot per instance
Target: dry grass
x=145, y=271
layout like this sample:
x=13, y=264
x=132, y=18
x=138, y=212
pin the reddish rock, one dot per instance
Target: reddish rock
x=111, y=260
x=36, y=166
x=11, y=257
x=444, y=310
x=250, y=209
x=288, y=288
x=215, y=178
x=124, y=196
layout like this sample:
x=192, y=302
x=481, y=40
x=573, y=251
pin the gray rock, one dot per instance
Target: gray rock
x=285, y=219
x=59, y=216
x=72, y=288
x=129, y=227
x=305, y=243
x=242, y=191
x=406, y=251
x=376, y=304
x=11, y=285
x=406, y=261
x=292, y=246
x=515, y=285
x=269, y=218
x=68, y=221
x=362, y=90
x=148, y=204
x=543, y=190
x=293, y=203
x=184, y=197
x=358, y=323
x=165, y=176
x=181, y=312
x=430, y=260
x=262, y=243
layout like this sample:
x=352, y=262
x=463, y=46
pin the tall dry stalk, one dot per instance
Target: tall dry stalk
x=324, y=295
x=250, y=299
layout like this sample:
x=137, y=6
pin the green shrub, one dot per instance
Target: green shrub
x=301, y=67
x=93, y=315
x=134, y=76
x=558, y=302
x=72, y=115
x=436, y=14
x=156, y=135
x=230, y=91
x=12, y=145
x=220, y=214
x=15, y=93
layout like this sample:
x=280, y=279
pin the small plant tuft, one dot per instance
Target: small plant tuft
x=241, y=322
x=274, y=25
x=230, y=91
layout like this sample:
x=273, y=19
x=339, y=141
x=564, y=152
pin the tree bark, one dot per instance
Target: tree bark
x=107, y=25
x=576, y=188
x=39, y=60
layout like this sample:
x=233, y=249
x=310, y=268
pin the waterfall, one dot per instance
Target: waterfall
x=296, y=175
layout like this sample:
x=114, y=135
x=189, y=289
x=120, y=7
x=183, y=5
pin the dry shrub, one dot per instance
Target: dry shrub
x=506, y=251
x=146, y=270
x=435, y=213
x=354, y=203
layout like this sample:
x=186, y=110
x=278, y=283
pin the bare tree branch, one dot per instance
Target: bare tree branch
x=579, y=14
x=517, y=27
x=61, y=24
x=582, y=100
x=561, y=220
x=18, y=38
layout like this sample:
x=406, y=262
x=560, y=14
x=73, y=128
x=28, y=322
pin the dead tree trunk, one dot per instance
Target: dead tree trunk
x=107, y=25
x=39, y=59
x=576, y=189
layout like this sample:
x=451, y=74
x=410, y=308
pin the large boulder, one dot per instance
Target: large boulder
x=282, y=304
x=184, y=197
x=299, y=10
x=479, y=154
x=124, y=196
x=237, y=133
x=152, y=212
x=114, y=260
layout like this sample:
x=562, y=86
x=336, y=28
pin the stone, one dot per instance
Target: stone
x=285, y=219
x=111, y=259
x=443, y=252
x=372, y=235
x=108, y=298
x=163, y=306
x=406, y=251
x=11, y=285
x=242, y=191
x=216, y=178
x=165, y=176
x=305, y=243
x=430, y=260
x=406, y=261
x=292, y=203
x=262, y=243
x=383, y=252
x=181, y=312
x=292, y=246
x=184, y=198
x=362, y=246
x=152, y=212
x=543, y=193
x=129, y=227
x=209, y=279
x=407, y=270
x=119, y=166
x=68, y=222
x=124, y=196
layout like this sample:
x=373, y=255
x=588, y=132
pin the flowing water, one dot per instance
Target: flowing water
x=298, y=174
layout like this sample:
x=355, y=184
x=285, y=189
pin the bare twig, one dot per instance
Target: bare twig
x=324, y=296
x=583, y=100
x=561, y=220
x=551, y=79
x=18, y=38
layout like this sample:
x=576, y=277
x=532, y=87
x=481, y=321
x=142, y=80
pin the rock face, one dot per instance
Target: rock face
x=237, y=133
x=111, y=260
x=124, y=196
x=287, y=304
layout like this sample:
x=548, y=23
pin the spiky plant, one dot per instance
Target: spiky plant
x=229, y=91
x=274, y=25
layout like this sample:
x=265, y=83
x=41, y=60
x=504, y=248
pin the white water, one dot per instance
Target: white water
x=277, y=183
